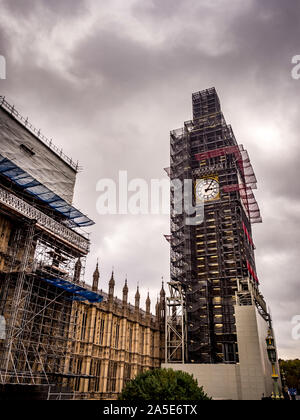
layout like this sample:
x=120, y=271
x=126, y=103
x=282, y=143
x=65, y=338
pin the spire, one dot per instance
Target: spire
x=162, y=291
x=111, y=286
x=112, y=279
x=77, y=271
x=125, y=288
x=96, y=277
x=137, y=298
x=162, y=302
x=125, y=292
x=148, y=303
x=157, y=308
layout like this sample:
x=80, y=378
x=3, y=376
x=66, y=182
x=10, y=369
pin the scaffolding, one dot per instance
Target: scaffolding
x=246, y=185
x=42, y=268
x=214, y=258
x=11, y=109
x=175, y=326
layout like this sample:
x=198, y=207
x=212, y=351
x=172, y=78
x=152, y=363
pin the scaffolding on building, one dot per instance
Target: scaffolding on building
x=42, y=260
x=42, y=276
x=11, y=109
x=220, y=250
x=175, y=337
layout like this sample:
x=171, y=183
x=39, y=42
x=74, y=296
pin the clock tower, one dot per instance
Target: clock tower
x=217, y=321
x=213, y=260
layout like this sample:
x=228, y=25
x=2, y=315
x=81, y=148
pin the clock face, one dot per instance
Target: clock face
x=207, y=189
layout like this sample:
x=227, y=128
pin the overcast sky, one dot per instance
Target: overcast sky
x=109, y=80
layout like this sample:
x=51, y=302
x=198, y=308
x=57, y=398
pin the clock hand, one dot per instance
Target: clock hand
x=208, y=188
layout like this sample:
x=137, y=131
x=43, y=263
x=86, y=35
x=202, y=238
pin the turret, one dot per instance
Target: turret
x=162, y=292
x=125, y=293
x=148, y=304
x=137, y=299
x=111, y=287
x=96, y=276
x=77, y=271
x=162, y=302
x=157, y=310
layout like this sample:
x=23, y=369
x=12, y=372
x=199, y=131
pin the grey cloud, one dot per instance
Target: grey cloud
x=156, y=9
x=4, y=42
x=119, y=96
x=65, y=8
x=123, y=63
x=22, y=8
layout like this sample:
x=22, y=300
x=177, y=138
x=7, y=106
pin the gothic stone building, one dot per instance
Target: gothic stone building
x=114, y=342
x=55, y=330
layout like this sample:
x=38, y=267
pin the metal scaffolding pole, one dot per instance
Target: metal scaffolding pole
x=175, y=324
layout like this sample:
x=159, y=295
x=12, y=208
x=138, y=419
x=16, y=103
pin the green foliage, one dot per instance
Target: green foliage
x=291, y=369
x=164, y=385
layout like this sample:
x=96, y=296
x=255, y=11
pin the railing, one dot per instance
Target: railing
x=244, y=298
x=44, y=221
x=24, y=121
x=77, y=395
x=12, y=377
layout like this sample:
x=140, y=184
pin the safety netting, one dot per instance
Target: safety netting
x=250, y=182
x=77, y=292
x=35, y=188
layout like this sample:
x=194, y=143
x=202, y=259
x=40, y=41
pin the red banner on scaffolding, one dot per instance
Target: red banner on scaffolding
x=248, y=236
x=219, y=152
x=252, y=272
x=248, y=178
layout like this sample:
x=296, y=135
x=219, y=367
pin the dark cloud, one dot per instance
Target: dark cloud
x=65, y=8
x=124, y=64
x=4, y=42
x=20, y=8
x=156, y=9
x=111, y=96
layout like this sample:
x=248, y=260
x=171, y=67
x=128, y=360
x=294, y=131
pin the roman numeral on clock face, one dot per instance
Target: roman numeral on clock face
x=207, y=189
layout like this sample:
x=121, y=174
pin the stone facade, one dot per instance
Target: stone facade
x=109, y=343
x=114, y=342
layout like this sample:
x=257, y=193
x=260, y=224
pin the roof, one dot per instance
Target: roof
x=37, y=133
x=37, y=189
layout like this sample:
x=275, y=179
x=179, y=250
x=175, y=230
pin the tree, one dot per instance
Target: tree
x=291, y=369
x=164, y=385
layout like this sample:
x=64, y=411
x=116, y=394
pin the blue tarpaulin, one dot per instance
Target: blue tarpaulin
x=78, y=292
x=35, y=188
